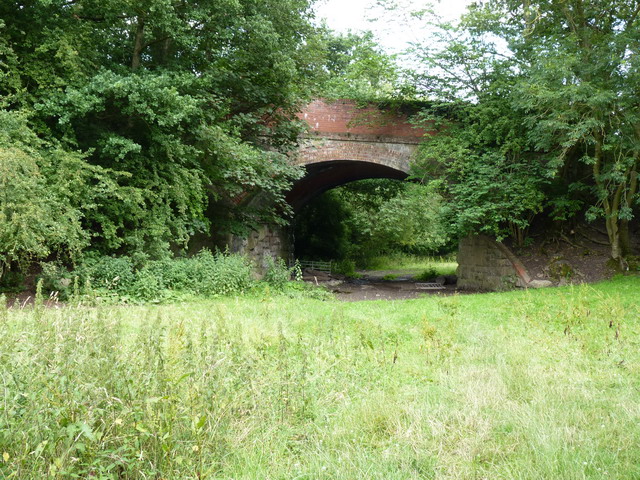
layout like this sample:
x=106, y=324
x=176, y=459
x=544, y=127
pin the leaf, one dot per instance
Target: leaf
x=87, y=432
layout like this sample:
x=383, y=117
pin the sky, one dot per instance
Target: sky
x=393, y=30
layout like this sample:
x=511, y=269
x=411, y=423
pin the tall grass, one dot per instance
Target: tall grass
x=434, y=265
x=535, y=385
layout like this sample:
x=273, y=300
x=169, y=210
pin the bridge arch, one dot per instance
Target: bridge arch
x=346, y=143
x=323, y=176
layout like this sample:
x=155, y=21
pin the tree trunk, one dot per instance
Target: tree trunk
x=625, y=240
x=614, y=237
x=136, y=58
x=166, y=45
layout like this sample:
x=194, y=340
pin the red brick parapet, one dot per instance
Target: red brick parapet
x=346, y=117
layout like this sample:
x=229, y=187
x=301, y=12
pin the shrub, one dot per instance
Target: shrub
x=428, y=274
x=203, y=274
x=346, y=268
x=174, y=274
x=56, y=278
x=277, y=274
x=223, y=273
x=111, y=273
x=147, y=286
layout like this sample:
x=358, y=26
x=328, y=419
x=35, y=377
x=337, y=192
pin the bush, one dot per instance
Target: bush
x=110, y=273
x=203, y=274
x=223, y=273
x=428, y=274
x=119, y=279
x=277, y=274
x=147, y=286
x=346, y=268
x=56, y=278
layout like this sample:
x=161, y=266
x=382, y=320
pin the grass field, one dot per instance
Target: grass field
x=520, y=385
x=416, y=265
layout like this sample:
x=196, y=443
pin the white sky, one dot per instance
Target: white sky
x=394, y=31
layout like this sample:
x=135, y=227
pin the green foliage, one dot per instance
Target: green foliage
x=12, y=281
x=409, y=222
x=277, y=274
x=358, y=69
x=126, y=129
x=55, y=278
x=304, y=290
x=368, y=218
x=37, y=216
x=480, y=160
x=634, y=263
x=221, y=273
x=321, y=229
x=541, y=95
x=402, y=261
x=580, y=98
x=426, y=275
x=122, y=278
x=110, y=273
x=346, y=267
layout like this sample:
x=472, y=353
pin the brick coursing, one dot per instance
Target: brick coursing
x=344, y=116
x=340, y=130
x=394, y=155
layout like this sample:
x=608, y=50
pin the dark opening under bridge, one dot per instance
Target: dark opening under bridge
x=345, y=143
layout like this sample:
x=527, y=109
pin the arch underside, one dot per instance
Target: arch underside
x=323, y=176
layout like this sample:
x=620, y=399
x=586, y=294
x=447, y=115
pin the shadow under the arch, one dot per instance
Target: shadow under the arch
x=323, y=176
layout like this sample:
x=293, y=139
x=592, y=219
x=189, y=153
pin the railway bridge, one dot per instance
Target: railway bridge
x=346, y=142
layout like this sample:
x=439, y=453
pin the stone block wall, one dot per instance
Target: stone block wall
x=268, y=241
x=484, y=264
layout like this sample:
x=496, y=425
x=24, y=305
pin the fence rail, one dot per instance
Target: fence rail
x=319, y=266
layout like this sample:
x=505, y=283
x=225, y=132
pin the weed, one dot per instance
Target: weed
x=428, y=330
x=426, y=275
x=277, y=274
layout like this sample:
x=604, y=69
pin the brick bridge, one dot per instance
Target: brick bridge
x=345, y=143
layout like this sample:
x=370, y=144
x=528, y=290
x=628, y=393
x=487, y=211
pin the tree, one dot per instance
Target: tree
x=580, y=95
x=372, y=217
x=560, y=94
x=479, y=156
x=357, y=68
x=175, y=105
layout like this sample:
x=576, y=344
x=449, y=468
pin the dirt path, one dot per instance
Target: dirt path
x=359, y=290
x=380, y=285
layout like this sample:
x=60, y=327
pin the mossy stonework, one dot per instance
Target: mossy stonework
x=270, y=241
x=484, y=264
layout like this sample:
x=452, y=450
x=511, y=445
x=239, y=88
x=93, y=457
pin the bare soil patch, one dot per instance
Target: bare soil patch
x=372, y=285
